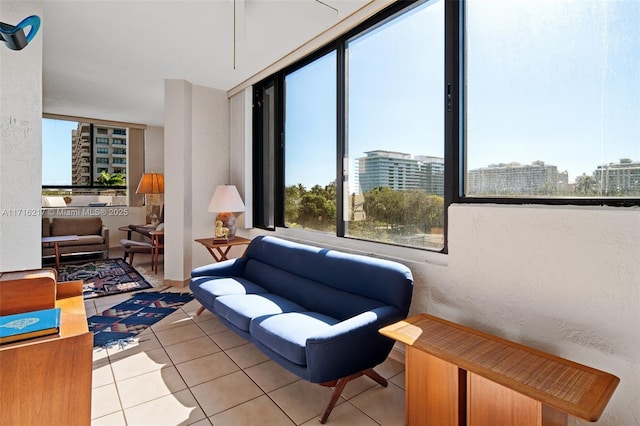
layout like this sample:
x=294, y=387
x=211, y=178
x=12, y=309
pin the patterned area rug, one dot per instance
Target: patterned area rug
x=120, y=323
x=103, y=277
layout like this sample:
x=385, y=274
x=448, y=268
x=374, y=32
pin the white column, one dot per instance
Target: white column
x=177, y=174
x=196, y=160
x=21, y=144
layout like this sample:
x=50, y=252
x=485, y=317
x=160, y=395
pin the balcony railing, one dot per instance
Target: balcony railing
x=61, y=196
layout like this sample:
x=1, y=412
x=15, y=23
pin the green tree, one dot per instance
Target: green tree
x=586, y=185
x=314, y=208
x=106, y=179
x=384, y=205
x=292, y=199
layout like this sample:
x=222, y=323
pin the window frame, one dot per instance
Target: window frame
x=454, y=124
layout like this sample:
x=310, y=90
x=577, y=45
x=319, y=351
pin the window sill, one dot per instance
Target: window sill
x=367, y=248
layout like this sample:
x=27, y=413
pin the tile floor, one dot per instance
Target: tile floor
x=188, y=370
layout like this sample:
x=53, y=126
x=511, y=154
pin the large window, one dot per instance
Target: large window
x=77, y=167
x=438, y=102
x=361, y=134
x=552, y=98
x=395, y=136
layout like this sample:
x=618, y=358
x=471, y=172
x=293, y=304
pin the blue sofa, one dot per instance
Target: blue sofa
x=314, y=311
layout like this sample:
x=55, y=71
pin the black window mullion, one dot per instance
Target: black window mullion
x=454, y=109
x=279, y=213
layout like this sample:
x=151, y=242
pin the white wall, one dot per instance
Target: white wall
x=154, y=149
x=241, y=159
x=565, y=280
x=20, y=144
x=209, y=164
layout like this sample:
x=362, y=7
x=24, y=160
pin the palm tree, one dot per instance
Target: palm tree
x=106, y=179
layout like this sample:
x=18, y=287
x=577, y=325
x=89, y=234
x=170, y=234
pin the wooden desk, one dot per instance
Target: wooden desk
x=456, y=375
x=56, y=247
x=47, y=381
x=219, y=250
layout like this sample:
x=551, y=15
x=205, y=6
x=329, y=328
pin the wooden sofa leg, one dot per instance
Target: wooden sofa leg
x=375, y=376
x=339, y=387
x=337, y=391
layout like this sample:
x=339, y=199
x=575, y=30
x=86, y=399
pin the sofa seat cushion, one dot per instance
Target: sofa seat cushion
x=207, y=289
x=287, y=333
x=83, y=240
x=239, y=310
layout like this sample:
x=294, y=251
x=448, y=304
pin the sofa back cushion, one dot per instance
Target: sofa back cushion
x=76, y=226
x=350, y=277
x=310, y=294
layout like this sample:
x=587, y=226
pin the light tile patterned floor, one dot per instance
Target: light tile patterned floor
x=188, y=370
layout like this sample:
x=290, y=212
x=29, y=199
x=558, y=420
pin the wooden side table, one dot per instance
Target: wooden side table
x=56, y=241
x=457, y=375
x=219, y=250
x=157, y=243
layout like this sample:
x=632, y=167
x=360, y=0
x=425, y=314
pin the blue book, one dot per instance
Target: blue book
x=28, y=325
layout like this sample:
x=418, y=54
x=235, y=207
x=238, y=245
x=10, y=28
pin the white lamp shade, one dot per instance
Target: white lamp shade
x=226, y=199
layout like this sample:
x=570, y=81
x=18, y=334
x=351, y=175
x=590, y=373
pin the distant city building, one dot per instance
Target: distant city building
x=432, y=174
x=537, y=178
x=400, y=172
x=621, y=178
x=107, y=152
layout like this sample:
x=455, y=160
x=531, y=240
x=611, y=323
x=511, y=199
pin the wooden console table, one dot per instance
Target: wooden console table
x=456, y=375
x=47, y=380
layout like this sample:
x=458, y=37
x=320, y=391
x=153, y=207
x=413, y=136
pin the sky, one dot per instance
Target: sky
x=550, y=80
x=557, y=81
x=56, y=151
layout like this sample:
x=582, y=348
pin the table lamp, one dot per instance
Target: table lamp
x=225, y=201
x=151, y=183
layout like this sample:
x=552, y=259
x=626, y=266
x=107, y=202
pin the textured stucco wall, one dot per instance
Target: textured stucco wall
x=20, y=144
x=565, y=280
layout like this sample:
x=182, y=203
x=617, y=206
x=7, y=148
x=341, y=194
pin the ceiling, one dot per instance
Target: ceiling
x=109, y=59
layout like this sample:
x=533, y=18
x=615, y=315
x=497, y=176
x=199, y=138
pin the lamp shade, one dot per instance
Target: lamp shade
x=226, y=199
x=151, y=183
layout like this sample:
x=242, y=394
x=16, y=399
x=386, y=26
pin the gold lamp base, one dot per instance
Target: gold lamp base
x=229, y=222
